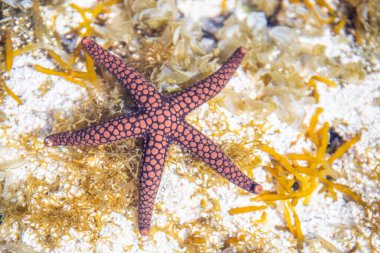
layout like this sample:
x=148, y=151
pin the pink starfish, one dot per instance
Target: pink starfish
x=160, y=120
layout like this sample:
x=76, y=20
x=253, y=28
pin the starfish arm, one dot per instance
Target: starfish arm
x=187, y=100
x=155, y=151
x=130, y=126
x=142, y=91
x=197, y=143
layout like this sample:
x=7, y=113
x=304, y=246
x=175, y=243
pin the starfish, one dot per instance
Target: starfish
x=160, y=120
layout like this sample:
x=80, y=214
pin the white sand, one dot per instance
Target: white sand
x=351, y=108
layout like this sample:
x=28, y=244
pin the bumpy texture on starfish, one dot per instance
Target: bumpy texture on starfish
x=160, y=120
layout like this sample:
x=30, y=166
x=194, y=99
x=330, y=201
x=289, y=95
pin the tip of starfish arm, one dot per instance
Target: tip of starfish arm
x=48, y=142
x=243, y=50
x=86, y=41
x=144, y=231
x=256, y=188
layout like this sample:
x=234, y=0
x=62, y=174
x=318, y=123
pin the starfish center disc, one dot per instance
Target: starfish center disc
x=162, y=120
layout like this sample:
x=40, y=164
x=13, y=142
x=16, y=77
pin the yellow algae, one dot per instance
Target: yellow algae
x=75, y=54
x=105, y=174
x=79, y=74
x=332, y=193
x=358, y=33
x=324, y=80
x=58, y=59
x=9, y=54
x=310, y=131
x=10, y=92
x=196, y=240
x=281, y=159
x=324, y=141
x=53, y=26
x=223, y=6
x=313, y=85
x=359, y=37
x=321, y=20
x=316, y=12
x=342, y=149
x=312, y=187
x=38, y=21
x=318, y=167
x=344, y=189
x=203, y=203
x=288, y=218
x=81, y=11
x=48, y=71
x=309, y=4
x=245, y=209
x=274, y=197
x=90, y=67
x=97, y=10
x=263, y=218
x=93, y=13
x=304, y=157
x=338, y=27
x=235, y=240
x=271, y=197
x=297, y=225
x=309, y=171
x=112, y=2
x=73, y=80
x=70, y=75
x=325, y=4
x=25, y=49
x=275, y=172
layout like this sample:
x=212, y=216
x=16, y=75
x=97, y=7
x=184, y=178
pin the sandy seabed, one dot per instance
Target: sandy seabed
x=85, y=199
